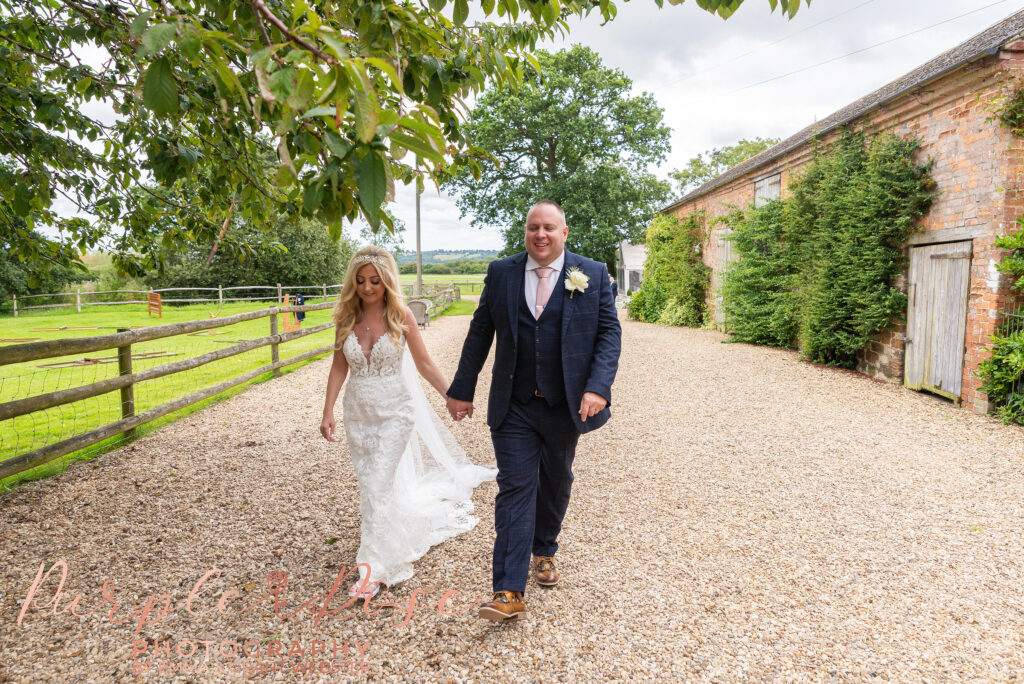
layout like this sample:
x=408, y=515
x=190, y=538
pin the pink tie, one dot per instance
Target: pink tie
x=543, y=288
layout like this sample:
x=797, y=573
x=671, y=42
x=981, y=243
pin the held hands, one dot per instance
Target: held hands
x=458, y=409
x=592, y=403
x=327, y=427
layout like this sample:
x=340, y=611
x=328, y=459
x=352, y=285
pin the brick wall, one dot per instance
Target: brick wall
x=978, y=167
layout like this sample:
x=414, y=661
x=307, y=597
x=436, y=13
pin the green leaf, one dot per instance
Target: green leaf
x=227, y=76
x=461, y=12
x=437, y=5
x=157, y=37
x=338, y=147
x=303, y=92
x=160, y=92
x=312, y=198
x=139, y=24
x=282, y=83
x=336, y=45
x=366, y=113
x=325, y=110
x=190, y=48
x=83, y=84
x=417, y=145
x=387, y=69
x=435, y=91
x=372, y=186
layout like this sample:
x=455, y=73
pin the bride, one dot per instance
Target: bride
x=415, y=482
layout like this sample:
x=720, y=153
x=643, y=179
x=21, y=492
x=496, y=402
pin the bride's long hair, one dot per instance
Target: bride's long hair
x=349, y=309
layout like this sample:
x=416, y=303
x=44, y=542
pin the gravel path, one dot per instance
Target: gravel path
x=744, y=516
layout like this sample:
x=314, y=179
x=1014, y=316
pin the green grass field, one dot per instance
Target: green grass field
x=40, y=428
x=468, y=284
x=18, y=381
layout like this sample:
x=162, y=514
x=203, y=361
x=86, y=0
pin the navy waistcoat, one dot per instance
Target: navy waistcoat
x=539, y=349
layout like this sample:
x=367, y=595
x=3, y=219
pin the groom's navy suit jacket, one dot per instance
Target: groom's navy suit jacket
x=590, y=338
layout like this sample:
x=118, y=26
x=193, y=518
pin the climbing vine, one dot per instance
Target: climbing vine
x=1002, y=374
x=675, y=277
x=817, y=269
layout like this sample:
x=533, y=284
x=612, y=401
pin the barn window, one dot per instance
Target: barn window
x=767, y=189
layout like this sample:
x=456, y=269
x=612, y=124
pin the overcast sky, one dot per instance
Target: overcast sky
x=701, y=71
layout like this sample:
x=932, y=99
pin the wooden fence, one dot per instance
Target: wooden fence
x=126, y=380
x=78, y=298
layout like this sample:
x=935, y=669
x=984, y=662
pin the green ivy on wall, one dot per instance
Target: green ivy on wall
x=817, y=269
x=1002, y=374
x=757, y=291
x=675, y=280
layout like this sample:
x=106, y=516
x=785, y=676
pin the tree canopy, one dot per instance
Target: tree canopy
x=136, y=124
x=309, y=257
x=713, y=163
x=577, y=137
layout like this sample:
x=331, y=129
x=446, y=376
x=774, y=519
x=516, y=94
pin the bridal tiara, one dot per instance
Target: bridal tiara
x=374, y=259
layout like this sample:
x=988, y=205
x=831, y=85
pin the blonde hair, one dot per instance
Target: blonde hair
x=349, y=308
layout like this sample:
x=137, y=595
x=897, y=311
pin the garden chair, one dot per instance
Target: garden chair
x=420, y=309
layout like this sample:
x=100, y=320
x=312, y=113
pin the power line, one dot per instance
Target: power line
x=865, y=49
x=766, y=45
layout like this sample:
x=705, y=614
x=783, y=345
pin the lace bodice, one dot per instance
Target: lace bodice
x=385, y=357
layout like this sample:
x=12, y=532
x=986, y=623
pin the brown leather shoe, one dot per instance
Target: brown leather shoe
x=505, y=605
x=547, y=573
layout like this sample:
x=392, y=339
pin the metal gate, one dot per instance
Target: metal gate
x=937, y=317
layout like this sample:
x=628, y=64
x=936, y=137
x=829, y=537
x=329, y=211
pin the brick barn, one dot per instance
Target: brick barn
x=978, y=166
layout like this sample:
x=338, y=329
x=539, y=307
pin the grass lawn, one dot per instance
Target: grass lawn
x=18, y=381
x=472, y=283
x=460, y=308
x=40, y=428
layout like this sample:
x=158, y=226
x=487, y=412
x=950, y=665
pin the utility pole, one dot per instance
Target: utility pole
x=419, y=252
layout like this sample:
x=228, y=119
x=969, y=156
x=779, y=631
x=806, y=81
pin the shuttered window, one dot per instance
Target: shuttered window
x=767, y=189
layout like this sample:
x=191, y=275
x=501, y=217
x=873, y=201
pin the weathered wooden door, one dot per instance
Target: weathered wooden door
x=937, y=317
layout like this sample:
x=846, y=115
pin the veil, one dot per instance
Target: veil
x=434, y=480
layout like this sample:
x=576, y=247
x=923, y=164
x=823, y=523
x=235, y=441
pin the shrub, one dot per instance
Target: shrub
x=674, y=272
x=1003, y=376
x=820, y=265
x=757, y=297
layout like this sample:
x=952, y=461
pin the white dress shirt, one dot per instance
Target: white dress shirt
x=531, y=279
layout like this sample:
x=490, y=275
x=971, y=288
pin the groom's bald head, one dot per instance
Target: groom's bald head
x=553, y=205
x=546, y=232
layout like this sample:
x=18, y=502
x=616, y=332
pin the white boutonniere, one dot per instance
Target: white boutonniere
x=576, y=281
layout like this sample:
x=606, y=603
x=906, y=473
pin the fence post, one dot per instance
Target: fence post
x=220, y=295
x=78, y=300
x=325, y=292
x=124, y=367
x=15, y=305
x=278, y=294
x=273, y=345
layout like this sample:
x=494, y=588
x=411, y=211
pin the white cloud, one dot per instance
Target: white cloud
x=692, y=62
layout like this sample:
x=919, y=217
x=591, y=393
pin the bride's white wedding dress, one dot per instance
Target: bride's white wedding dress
x=415, y=482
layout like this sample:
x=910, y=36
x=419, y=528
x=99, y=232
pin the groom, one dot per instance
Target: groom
x=558, y=351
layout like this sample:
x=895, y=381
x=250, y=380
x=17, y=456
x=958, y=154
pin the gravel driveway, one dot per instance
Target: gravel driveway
x=743, y=516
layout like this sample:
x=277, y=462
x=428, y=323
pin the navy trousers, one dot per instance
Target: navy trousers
x=534, y=446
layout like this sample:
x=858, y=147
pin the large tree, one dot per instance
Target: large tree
x=352, y=95
x=714, y=162
x=575, y=136
x=301, y=253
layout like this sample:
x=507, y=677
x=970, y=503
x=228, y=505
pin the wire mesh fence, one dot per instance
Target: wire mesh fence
x=23, y=434
x=216, y=297
x=211, y=351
